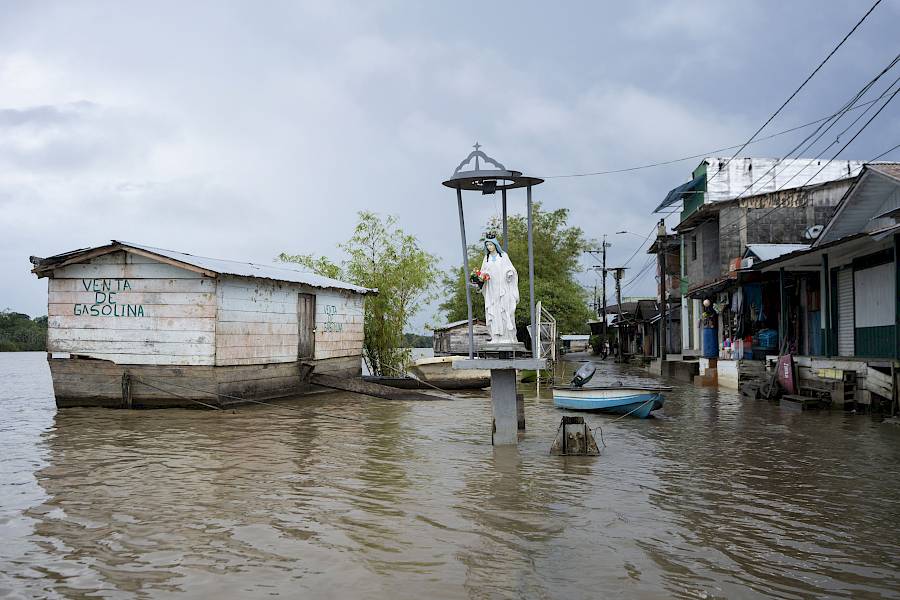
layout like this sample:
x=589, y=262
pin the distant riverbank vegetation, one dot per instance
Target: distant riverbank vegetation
x=21, y=333
x=414, y=340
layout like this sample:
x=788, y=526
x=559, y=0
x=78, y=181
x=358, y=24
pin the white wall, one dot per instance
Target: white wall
x=874, y=296
x=258, y=324
x=132, y=310
x=257, y=321
x=339, y=324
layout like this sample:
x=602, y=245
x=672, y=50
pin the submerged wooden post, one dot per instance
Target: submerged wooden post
x=520, y=411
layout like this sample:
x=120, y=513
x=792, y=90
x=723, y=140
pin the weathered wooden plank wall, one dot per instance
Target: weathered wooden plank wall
x=132, y=310
x=339, y=324
x=257, y=322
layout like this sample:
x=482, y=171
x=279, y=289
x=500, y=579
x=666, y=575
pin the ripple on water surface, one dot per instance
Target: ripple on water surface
x=718, y=497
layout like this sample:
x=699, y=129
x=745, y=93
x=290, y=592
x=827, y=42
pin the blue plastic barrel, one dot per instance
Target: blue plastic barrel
x=710, y=343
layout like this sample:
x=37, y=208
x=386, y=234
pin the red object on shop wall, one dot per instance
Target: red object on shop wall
x=786, y=377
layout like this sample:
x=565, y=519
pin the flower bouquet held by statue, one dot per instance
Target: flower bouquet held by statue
x=478, y=278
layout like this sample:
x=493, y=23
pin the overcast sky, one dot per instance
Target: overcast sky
x=240, y=130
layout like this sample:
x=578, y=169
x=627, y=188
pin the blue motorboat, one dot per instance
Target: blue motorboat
x=639, y=401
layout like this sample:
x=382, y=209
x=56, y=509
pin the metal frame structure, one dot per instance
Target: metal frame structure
x=488, y=181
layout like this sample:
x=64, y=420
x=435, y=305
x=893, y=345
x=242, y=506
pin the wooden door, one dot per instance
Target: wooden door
x=306, y=326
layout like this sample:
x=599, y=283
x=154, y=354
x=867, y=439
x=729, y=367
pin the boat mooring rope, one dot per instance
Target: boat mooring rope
x=399, y=372
x=218, y=395
x=637, y=408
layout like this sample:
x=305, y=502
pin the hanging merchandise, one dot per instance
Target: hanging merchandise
x=737, y=301
x=753, y=293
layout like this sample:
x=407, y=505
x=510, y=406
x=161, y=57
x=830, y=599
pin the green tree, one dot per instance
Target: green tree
x=557, y=249
x=382, y=256
x=21, y=333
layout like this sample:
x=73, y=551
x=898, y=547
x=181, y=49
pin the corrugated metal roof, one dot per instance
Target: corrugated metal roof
x=457, y=324
x=890, y=169
x=749, y=176
x=678, y=194
x=217, y=266
x=873, y=194
x=246, y=269
x=770, y=251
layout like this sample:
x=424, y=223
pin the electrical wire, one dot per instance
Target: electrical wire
x=802, y=85
x=702, y=154
x=840, y=112
x=783, y=203
x=839, y=115
x=886, y=152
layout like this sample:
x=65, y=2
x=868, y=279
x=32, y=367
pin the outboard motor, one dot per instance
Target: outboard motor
x=584, y=374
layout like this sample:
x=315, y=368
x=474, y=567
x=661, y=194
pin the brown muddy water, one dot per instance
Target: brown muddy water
x=717, y=498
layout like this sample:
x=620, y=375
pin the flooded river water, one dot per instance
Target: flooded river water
x=718, y=497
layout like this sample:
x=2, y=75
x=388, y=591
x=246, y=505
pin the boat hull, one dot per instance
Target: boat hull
x=440, y=373
x=639, y=402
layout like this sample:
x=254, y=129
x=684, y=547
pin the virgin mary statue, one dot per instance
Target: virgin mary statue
x=501, y=293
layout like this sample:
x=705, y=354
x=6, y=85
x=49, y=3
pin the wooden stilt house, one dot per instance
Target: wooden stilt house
x=137, y=326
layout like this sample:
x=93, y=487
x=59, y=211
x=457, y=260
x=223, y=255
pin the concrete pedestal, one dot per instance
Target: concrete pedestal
x=503, y=400
x=503, y=392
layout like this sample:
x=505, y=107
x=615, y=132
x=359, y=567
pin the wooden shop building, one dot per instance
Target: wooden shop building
x=143, y=327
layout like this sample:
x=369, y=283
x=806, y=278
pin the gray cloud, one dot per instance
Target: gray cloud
x=241, y=130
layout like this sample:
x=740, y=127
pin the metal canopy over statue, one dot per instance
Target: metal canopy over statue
x=498, y=282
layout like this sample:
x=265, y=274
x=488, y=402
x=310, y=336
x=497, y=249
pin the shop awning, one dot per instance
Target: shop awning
x=678, y=194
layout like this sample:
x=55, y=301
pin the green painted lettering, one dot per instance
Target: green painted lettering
x=87, y=284
x=126, y=285
x=95, y=312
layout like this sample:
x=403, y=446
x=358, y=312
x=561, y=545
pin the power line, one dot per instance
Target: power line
x=844, y=109
x=886, y=152
x=782, y=205
x=802, y=85
x=702, y=154
x=850, y=141
x=839, y=114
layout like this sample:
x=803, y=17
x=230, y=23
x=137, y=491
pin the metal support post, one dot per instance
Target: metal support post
x=465, y=251
x=534, y=331
x=826, y=306
x=782, y=313
x=505, y=229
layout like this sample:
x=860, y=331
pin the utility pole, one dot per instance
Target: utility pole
x=618, y=275
x=661, y=253
x=603, y=313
